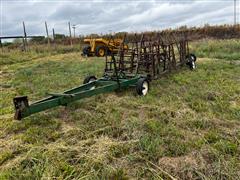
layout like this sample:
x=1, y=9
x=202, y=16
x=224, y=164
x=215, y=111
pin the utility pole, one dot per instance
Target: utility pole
x=53, y=32
x=25, y=37
x=235, y=12
x=74, y=27
x=70, y=33
x=47, y=34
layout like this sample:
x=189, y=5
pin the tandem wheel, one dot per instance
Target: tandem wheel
x=89, y=79
x=142, y=86
x=191, y=61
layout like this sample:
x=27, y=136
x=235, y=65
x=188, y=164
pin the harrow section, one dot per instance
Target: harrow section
x=151, y=56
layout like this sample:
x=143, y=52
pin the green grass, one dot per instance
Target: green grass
x=219, y=49
x=9, y=56
x=188, y=126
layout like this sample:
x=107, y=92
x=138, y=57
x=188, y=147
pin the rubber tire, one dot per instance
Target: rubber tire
x=86, y=50
x=97, y=51
x=191, y=61
x=89, y=79
x=192, y=65
x=194, y=57
x=139, y=86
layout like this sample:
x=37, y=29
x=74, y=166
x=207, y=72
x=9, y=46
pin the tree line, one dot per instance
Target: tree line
x=194, y=33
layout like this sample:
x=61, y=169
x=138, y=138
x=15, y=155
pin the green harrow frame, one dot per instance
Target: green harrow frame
x=148, y=59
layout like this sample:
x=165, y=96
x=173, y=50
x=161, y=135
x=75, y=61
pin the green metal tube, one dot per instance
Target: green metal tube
x=76, y=94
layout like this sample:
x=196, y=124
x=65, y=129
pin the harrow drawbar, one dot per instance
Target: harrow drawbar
x=100, y=86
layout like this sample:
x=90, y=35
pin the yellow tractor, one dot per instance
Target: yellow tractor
x=101, y=46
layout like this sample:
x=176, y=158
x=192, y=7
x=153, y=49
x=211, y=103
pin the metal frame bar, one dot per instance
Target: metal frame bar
x=23, y=109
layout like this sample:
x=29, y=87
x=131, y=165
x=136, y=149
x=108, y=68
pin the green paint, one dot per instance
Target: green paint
x=87, y=90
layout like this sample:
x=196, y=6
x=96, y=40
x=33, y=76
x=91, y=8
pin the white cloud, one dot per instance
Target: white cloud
x=100, y=16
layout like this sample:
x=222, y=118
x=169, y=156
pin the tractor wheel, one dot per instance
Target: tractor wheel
x=89, y=79
x=142, y=86
x=86, y=50
x=100, y=51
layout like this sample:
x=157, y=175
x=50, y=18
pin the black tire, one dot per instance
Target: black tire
x=193, y=57
x=86, y=50
x=192, y=65
x=89, y=79
x=99, y=50
x=191, y=61
x=141, y=86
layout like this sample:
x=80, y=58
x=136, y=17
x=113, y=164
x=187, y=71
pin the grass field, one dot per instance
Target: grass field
x=187, y=127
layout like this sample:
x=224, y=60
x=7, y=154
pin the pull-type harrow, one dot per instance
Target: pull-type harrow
x=147, y=59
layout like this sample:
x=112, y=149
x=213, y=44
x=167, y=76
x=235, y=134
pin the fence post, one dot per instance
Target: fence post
x=70, y=33
x=47, y=34
x=1, y=44
x=53, y=31
x=25, y=43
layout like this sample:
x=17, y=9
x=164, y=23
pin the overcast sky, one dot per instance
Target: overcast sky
x=103, y=16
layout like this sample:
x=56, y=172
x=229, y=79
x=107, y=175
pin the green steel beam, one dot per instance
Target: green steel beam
x=57, y=99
